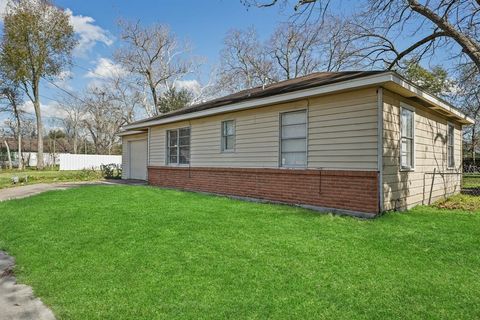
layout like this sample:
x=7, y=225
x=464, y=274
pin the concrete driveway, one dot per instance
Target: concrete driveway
x=33, y=189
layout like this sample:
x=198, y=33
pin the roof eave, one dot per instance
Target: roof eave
x=130, y=132
x=436, y=103
x=367, y=81
x=279, y=98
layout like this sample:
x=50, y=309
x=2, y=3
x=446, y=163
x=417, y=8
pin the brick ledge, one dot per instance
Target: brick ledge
x=311, y=171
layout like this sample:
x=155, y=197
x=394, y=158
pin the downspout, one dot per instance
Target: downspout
x=148, y=148
x=380, y=147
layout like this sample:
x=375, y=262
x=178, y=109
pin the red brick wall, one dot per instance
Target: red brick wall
x=350, y=190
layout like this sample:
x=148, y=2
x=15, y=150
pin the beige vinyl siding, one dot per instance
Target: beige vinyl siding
x=405, y=189
x=125, y=155
x=342, y=134
x=342, y=131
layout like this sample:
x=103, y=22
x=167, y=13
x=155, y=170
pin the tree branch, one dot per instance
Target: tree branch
x=414, y=46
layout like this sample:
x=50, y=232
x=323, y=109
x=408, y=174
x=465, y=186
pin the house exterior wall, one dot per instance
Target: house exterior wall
x=342, y=167
x=342, y=135
x=125, y=152
x=342, y=160
x=431, y=179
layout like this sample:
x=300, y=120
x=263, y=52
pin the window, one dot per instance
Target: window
x=407, y=153
x=293, y=139
x=228, y=135
x=450, y=145
x=178, y=146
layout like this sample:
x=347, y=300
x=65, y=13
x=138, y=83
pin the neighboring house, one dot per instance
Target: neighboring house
x=360, y=142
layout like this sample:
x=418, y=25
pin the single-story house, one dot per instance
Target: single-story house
x=356, y=142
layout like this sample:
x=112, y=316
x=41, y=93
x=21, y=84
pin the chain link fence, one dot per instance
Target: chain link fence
x=471, y=178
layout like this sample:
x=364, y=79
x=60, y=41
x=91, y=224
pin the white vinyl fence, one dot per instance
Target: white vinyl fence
x=86, y=161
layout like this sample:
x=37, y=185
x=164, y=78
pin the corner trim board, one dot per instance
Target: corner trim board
x=380, y=147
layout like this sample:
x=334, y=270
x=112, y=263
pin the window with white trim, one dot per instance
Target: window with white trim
x=293, y=139
x=407, y=141
x=451, y=145
x=178, y=146
x=228, y=135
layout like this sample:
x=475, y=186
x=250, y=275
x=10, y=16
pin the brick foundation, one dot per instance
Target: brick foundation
x=347, y=190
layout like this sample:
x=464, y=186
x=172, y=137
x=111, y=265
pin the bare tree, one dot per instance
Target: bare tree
x=104, y=116
x=453, y=24
x=74, y=111
x=469, y=98
x=10, y=93
x=125, y=96
x=156, y=57
x=244, y=62
x=293, y=50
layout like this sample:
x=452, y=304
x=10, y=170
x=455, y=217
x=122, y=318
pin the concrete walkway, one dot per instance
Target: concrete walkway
x=17, y=301
x=33, y=189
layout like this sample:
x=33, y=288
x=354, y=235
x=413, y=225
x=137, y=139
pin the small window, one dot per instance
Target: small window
x=293, y=139
x=228, y=135
x=178, y=146
x=451, y=145
x=407, y=152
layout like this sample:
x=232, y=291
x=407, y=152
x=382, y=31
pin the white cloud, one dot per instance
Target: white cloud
x=3, y=8
x=88, y=32
x=63, y=80
x=104, y=69
x=49, y=110
x=84, y=26
x=191, y=85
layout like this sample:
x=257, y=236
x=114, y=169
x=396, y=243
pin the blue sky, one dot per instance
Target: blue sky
x=203, y=23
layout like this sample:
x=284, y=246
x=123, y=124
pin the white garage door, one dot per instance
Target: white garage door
x=138, y=159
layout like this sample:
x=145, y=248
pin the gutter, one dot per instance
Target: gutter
x=279, y=98
x=368, y=81
x=130, y=132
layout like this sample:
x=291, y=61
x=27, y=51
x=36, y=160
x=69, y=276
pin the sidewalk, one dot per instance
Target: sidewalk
x=17, y=301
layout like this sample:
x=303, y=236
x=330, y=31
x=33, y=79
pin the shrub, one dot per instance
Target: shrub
x=111, y=171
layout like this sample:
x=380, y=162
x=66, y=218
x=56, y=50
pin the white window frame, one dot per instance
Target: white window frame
x=222, y=136
x=280, y=165
x=449, y=124
x=412, y=166
x=167, y=147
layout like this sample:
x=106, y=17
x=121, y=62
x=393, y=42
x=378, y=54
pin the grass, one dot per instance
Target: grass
x=471, y=180
x=42, y=176
x=126, y=252
x=460, y=202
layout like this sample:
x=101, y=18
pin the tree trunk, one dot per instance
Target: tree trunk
x=20, y=155
x=38, y=114
x=473, y=144
x=153, y=90
x=54, y=162
x=8, y=155
x=19, y=138
x=75, y=142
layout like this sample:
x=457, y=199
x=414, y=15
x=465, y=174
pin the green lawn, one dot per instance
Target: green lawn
x=47, y=175
x=126, y=252
x=471, y=180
